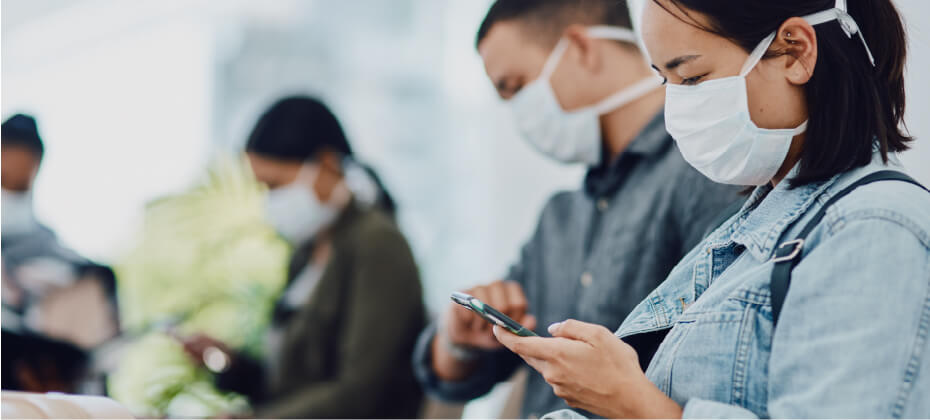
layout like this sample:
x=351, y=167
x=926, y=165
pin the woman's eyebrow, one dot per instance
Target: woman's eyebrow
x=677, y=61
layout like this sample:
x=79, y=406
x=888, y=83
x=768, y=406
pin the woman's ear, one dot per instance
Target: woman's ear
x=330, y=162
x=588, y=54
x=329, y=175
x=797, y=39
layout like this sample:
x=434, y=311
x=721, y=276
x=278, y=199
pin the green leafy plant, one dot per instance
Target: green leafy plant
x=206, y=262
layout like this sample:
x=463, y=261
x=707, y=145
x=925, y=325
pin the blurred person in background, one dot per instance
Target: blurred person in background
x=56, y=303
x=346, y=323
x=581, y=92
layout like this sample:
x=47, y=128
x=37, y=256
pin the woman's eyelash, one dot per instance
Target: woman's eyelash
x=692, y=80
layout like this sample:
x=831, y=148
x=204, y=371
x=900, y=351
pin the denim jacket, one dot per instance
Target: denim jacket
x=853, y=339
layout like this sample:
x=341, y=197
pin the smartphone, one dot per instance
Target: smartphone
x=490, y=314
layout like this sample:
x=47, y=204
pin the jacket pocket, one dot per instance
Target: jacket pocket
x=712, y=360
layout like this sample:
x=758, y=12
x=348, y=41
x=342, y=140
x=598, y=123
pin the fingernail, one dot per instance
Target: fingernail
x=554, y=327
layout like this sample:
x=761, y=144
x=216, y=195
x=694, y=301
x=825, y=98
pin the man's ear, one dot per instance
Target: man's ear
x=798, y=40
x=585, y=47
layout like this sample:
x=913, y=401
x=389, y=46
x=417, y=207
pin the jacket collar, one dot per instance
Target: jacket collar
x=769, y=212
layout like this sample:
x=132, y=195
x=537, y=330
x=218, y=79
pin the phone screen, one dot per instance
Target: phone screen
x=490, y=314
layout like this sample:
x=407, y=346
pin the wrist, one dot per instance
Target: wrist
x=650, y=402
x=459, y=352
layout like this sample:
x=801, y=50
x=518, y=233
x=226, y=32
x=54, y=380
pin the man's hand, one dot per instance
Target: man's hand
x=468, y=329
x=463, y=328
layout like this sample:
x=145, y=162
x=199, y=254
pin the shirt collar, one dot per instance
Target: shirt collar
x=769, y=212
x=652, y=139
x=607, y=177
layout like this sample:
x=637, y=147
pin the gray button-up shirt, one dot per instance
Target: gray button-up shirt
x=597, y=252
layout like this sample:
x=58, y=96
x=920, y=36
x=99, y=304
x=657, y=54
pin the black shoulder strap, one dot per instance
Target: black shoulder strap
x=788, y=254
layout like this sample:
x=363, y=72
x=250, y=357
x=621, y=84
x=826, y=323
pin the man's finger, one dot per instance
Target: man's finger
x=516, y=300
x=497, y=298
x=528, y=321
x=478, y=323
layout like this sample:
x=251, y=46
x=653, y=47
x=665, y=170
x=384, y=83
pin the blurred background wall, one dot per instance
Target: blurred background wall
x=134, y=98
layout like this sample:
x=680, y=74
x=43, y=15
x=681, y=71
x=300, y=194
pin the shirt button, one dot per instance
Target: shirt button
x=602, y=204
x=587, y=279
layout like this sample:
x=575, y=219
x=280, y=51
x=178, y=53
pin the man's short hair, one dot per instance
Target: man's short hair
x=547, y=19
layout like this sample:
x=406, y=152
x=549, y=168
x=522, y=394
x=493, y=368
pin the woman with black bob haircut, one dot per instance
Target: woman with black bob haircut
x=814, y=299
x=331, y=350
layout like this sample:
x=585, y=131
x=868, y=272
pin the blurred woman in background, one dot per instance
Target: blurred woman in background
x=345, y=325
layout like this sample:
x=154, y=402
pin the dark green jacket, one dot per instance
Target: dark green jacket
x=347, y=352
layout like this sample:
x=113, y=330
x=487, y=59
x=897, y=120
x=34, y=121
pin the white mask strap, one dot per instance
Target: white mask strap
x=612, y=32
x=838, y=13
x=307, y=174
x=599, y=32
x=627, y=95
x=849, y=25
x=553, y=61
x=757, y=54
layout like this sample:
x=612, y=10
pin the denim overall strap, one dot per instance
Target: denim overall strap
x=788, y=254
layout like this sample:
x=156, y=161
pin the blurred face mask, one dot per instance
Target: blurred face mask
x=571, y=136
x=713, y=128
x=294, y=209
x=17, y=216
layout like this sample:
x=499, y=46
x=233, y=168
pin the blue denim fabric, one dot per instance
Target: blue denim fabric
x=852, y=340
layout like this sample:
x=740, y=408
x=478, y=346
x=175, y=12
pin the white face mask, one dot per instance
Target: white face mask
x=712, y=125
x=295, y=211
x=17, y=215
x=571, y=136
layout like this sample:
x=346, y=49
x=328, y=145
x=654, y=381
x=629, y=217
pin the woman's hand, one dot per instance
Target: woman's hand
x=198, y=346
x=591, y=369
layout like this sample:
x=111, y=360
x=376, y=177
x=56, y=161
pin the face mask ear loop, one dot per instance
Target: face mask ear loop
x=554, y=58
x=847, y=23
x=307, y=174
x=599, y=32
x=757, y=54
x=628, y=94
x=613, y=33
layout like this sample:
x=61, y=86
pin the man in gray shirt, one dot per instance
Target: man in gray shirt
x=581, y=92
